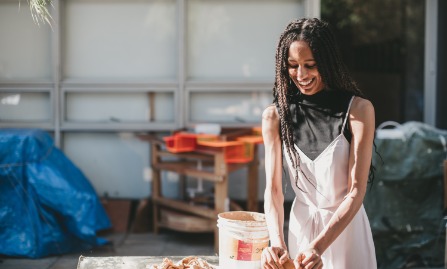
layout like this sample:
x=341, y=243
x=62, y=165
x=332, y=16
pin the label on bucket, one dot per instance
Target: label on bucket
x=243, y=251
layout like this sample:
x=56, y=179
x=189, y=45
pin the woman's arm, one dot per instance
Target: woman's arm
x=273, y=195
x=362, y=123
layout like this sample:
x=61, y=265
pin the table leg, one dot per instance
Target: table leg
x=252, y=184
x=156, y=185
x=221, y=201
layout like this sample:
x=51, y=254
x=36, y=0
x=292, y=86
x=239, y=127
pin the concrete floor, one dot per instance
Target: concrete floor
x=166, y=243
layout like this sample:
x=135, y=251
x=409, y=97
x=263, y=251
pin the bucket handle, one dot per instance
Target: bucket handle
x=389, y=123
x=396, y=132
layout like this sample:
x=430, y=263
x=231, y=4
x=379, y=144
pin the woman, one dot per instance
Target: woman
x=324, y=128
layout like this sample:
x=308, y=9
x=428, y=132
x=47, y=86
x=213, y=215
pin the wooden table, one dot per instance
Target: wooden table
x=186, y=165
x=132, y=262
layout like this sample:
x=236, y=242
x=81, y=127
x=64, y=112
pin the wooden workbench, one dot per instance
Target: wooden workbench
x=185, y=164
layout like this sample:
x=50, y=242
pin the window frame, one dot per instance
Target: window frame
x=181, y=88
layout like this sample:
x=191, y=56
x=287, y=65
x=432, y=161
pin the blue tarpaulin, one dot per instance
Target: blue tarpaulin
x=47, y=205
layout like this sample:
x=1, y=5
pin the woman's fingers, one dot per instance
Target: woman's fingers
x=284, y=256
x=274, y=254
x=308, y=259
x=266, y=264
x=298, y=262
x=266, y=259
x=270, y=257
x=319, y=265
x=310, y=256
x=314, y=264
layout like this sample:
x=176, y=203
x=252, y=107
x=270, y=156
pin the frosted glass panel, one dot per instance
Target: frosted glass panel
x=234, y=38
x=25, y=107
x=117, y=165
x=120, y=39
x=119, y=107
x=228, y=107
x=25, y=50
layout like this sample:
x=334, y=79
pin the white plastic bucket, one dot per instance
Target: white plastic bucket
x=242, y=237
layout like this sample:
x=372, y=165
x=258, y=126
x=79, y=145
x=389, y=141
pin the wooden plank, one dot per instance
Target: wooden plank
x=151, y=138
x=221, y=200
x=175, y=166
x=233, y=133
x=151, y=96
x=156, y=183
x=185, y=222
x=188, y=155
x=204, y=175
x=184, y=206
x=253, y=184
x=184, y=168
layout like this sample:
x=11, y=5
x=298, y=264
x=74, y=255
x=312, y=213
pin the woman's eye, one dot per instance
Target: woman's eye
x=306, y=66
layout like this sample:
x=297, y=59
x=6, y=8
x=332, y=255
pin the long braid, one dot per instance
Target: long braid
x=281, y=92
x=333, y=71
x=324, y=47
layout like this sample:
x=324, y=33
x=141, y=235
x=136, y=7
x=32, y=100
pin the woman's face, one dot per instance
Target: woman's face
x=303, y=68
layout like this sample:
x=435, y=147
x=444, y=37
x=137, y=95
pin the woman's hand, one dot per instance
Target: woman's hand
x=309, y=259
x=274, y=258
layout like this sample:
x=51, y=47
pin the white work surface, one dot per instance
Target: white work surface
x=132, y=262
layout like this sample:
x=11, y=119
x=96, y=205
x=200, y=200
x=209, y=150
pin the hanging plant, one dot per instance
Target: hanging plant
x=39, y=11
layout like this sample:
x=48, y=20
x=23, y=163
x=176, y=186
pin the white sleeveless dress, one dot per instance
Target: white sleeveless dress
x=315, y=204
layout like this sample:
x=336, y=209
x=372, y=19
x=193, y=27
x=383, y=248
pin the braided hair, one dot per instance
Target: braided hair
x=334, y=73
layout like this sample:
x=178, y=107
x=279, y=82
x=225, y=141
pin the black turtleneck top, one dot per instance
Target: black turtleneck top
x=318, y=119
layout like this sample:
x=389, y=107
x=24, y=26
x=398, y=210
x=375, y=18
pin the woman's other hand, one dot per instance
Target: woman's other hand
x=308, y=259
x=274, y=258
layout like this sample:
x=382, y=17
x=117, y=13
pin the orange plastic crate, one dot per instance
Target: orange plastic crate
x=239, y=151
x=255, y=139
x=234, y=151
x=240, y=154
x=257, y=130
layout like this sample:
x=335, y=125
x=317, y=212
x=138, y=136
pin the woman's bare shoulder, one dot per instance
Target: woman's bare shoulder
x=362, y=116
x=361, y=108
x=270, y=122
x=270, y=113
x=361, y=105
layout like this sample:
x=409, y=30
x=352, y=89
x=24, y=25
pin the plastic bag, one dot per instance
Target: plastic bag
x=47, y=206
x=405, y=202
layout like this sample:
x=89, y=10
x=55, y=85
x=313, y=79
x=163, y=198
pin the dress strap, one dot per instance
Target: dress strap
x=347, y=114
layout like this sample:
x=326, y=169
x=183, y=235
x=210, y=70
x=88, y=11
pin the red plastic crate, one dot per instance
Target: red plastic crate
x=185, y=142
x=181, y=142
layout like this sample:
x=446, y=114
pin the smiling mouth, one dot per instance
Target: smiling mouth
x=305, y=82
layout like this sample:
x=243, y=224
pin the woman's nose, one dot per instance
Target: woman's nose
x=301, y=72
